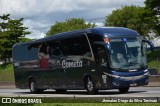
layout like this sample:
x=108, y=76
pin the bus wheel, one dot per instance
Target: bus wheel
x=123, y=90
x=33, y=86
x=90, y=86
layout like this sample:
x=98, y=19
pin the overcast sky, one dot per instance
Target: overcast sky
x=39, y=15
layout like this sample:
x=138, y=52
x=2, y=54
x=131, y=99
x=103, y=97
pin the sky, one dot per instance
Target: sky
x=40, y=15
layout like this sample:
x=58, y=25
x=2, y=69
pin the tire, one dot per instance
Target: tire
x=33, y=87
x=90, y=86
x=123, y=90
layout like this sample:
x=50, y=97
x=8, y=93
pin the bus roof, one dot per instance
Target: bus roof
x=115, y=31
x=110, y=31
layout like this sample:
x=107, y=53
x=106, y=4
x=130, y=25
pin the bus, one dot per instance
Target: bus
x=90, y=59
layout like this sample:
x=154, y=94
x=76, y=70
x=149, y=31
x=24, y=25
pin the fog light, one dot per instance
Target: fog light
x=115, y=83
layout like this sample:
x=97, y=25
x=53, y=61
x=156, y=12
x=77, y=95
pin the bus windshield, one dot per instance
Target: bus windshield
x=127, y=54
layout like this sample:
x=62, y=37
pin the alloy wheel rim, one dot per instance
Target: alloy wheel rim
x=32, y=86
x=90, y=85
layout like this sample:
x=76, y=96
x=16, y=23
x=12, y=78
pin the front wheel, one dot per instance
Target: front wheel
x=90, y=86
x=123, y=90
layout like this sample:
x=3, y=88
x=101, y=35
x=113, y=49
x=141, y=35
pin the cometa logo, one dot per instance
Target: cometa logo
x=71, y=64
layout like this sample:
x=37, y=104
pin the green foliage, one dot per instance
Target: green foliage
x=6, y=72
x=25, y=39
x=11, y=32
x=154, y=64
x=134, y=17
x=6, y=67
x=154, y=60
x=68, y=25
x=154, y=6
x=6, y=76
x=154, y=55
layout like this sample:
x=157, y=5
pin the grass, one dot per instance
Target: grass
x=6, y=76
x=100, y=104
x=154, y=60
x=87, y=104
x=49, y=101
x=6, y=72
x=6, y=67
x=154, y=64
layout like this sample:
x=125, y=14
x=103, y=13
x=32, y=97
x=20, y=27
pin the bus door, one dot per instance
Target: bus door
x=78, y=58
x=101, y=63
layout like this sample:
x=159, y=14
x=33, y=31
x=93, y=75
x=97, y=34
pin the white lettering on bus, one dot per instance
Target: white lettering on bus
x=71, y=64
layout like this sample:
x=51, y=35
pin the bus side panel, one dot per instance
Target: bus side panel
x=21, y=78
x=75, y=75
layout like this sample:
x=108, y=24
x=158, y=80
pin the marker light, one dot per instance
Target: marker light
x=125, y=39
x=106, y=35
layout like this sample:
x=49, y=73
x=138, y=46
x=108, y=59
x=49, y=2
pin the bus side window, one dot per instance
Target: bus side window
x=43, y=51
x=55, y=49
x=77, y=46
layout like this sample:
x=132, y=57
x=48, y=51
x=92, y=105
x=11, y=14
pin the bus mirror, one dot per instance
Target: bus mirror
x=150, y=44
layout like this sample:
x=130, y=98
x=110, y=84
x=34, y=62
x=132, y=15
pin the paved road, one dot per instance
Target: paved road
x=133, y=92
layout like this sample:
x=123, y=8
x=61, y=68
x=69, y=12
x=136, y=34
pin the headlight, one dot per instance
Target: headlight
x=111, y=75
x=146, y=70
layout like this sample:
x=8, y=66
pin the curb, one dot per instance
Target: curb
x=7, y=85
x=153, y=84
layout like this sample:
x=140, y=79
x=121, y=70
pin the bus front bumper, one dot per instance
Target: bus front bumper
x=130, y=81
x=127, y=81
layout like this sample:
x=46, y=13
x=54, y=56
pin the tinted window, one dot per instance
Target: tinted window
x=78, y=46
x=55, y=49
x=94, y=37
x=25, y=53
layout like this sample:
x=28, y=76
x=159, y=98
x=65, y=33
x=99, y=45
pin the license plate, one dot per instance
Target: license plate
x=134, y=84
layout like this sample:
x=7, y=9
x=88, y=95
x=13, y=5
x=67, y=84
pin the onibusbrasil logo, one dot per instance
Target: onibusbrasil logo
x=21, y=100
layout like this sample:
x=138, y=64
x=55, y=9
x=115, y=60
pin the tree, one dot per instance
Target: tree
x=11, y=32
x=154, y=6
x=69, y=25
x=134, y=17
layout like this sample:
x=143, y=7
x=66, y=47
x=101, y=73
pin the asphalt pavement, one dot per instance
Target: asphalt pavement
x=133, y=92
